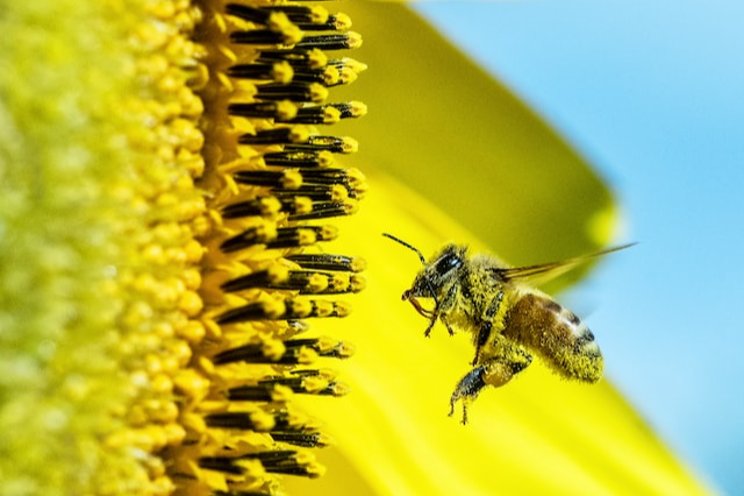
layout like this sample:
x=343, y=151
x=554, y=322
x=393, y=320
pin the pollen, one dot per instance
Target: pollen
x=172, y=183
x=269, y=171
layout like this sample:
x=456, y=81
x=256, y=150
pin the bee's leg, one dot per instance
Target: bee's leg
x=494, y=372
x=432, y=321
x=484, y=332
x=467, y=390
x=446, y=305
x=442, y=308
x=432, y=315
x=447, y=325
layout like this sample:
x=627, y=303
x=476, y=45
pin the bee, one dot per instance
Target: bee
x=508, y=318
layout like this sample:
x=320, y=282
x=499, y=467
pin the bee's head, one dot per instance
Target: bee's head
x=436, y=273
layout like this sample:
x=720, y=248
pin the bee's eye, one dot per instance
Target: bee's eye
x=447, y=263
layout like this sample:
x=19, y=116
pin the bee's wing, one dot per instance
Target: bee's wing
x=547, y=271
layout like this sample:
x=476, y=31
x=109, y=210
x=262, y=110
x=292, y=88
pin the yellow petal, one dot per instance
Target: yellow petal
x=445, y=129
x=538, y=435
x=441, y=125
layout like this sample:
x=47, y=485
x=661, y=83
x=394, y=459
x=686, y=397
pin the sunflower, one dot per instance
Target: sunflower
x=174, y=179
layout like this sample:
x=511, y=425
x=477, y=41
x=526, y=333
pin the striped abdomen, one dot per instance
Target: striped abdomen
x=556, y=335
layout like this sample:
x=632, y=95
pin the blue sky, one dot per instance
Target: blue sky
x=653, y=94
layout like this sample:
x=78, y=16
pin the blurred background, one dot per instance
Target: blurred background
x=651, y=93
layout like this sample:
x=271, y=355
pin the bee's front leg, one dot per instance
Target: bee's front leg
x=432, y=321
x=440, y=311
x=445, y=306
x=494, y=372
x=432, y=315
x=447, y=325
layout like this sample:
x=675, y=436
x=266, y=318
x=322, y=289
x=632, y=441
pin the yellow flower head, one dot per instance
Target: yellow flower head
x=159, y=262
x=168, y=183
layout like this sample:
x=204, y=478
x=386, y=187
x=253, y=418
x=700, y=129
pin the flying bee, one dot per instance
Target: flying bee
x=509, y=320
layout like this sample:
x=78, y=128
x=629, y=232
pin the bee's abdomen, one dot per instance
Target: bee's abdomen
x=556, y=335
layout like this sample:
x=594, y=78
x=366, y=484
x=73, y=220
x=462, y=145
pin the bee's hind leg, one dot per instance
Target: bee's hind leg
x=494, y=372
x=467, y=390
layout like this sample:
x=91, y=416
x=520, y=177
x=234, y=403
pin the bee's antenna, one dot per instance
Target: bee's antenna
x=410, y=247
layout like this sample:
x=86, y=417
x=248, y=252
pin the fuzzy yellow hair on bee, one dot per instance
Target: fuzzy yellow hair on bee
x=509, y=320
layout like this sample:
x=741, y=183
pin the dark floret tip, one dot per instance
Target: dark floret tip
x=264, y=289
